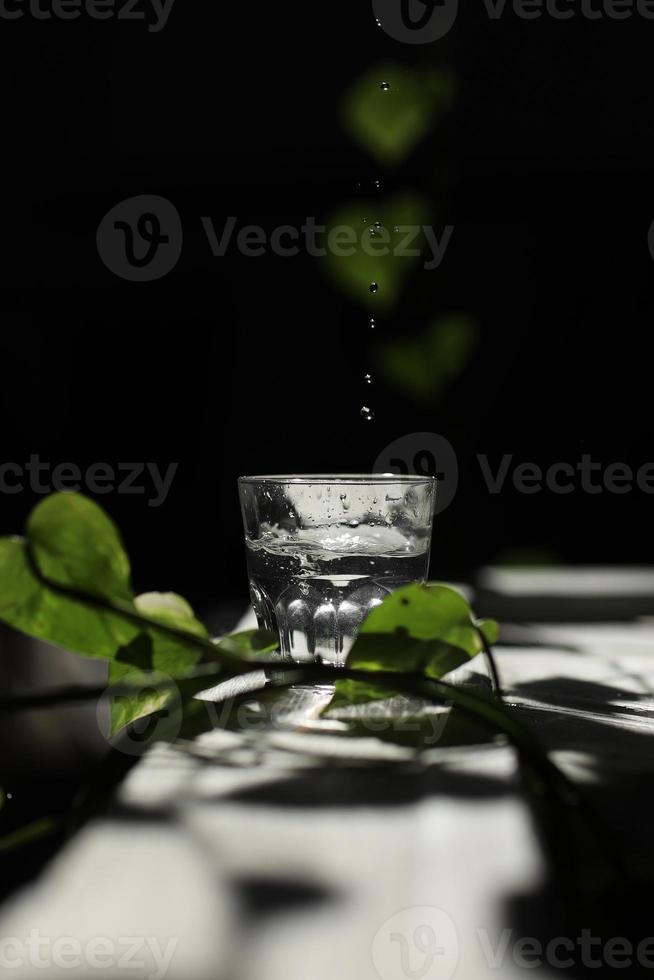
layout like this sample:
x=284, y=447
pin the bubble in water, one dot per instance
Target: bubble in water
x=368, y=379
x=367, y=413
x=374, y=287
x=385, y=86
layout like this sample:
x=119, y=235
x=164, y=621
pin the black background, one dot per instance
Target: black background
x=241, y=365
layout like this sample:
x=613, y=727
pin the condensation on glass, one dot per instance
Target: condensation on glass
x=322, y=551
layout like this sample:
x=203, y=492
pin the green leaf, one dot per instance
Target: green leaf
x=76, y=545
x=354, y=265
x=31, y=607
x=153, y=692
x=423, y=367
x=421, y=629
x=389, y=124
x=170, y=609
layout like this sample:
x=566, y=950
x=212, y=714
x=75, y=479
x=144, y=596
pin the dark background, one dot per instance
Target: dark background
x=241, y=365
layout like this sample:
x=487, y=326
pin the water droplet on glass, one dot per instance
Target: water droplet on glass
x=378, y=184
x=377, y=225
x=365, y=221
x=396, y=229
x=368, y=379
x=345, y=502
x=374, y=287
x=384, y=86
x=367, y=413
x=378, y=22
x=372, y=323
x=373, y=233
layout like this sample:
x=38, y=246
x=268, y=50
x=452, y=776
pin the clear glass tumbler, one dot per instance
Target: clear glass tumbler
x=322, y=551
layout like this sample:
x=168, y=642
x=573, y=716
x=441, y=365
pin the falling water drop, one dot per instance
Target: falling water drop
x=378, y=184
x=372, y=323
x=385, y=86
x=374, y=287
x=367, y=413
x=368, y=379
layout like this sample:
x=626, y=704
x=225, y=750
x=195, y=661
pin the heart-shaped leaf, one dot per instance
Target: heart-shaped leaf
x=390, y=109
x=75, y=544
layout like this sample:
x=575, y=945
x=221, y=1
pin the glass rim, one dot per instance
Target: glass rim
x=322, y=479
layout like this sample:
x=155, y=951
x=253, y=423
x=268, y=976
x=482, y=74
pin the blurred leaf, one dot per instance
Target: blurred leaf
x=174, y=658
x=75, y=544
x=421, y=368
x=171, y=610
x=250, y=645
x=528, y=556
x=31, y=832
x=354, y=272
x=153, y=693
x=389, y=124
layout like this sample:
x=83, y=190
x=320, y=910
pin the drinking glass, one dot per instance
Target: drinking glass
x=322, y=551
